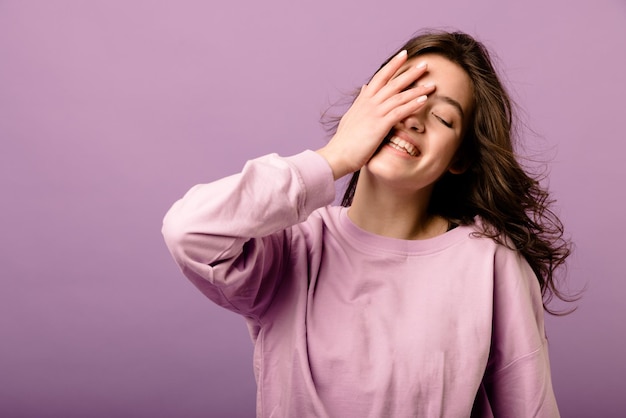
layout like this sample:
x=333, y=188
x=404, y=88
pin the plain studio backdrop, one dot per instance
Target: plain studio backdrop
x=111, y=110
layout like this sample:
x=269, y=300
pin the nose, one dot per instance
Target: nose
x=413, y=122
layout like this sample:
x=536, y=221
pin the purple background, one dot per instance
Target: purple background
x=111, y=110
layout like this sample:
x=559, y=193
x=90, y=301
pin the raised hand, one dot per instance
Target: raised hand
x=382, y=103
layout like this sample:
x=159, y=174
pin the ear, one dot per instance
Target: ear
x=459, y=165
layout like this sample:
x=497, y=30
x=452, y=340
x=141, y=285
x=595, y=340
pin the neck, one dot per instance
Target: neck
x=394, y=213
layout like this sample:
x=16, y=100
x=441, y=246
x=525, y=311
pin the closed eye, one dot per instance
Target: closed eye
x=442, y=120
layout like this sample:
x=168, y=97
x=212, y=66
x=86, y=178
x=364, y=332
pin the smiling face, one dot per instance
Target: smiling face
x=424, y=146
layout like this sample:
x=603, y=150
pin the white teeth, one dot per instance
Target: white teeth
x=402, y=145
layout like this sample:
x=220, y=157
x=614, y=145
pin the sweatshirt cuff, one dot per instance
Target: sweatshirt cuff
x=317, y=178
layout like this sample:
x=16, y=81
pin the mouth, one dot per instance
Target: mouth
x=400, y=144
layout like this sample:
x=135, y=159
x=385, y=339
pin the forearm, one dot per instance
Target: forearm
x=207, y=229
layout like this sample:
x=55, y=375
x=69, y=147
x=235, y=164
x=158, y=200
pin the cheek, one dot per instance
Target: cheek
x=450, y=143
x=449, y=151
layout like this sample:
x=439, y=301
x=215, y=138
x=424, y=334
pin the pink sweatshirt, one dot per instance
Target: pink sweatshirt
x=346, y=323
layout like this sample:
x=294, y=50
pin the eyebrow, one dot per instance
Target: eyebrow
x=450, y=101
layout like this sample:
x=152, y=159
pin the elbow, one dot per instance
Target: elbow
x=174, y=233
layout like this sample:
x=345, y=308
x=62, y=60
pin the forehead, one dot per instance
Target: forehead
x=449, y=78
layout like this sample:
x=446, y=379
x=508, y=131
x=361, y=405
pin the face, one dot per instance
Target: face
x=424, y=146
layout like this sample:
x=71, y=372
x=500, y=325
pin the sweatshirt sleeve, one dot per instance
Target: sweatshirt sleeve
x=517, y=381
x=231, y=237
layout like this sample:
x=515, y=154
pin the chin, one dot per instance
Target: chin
x=383, y=168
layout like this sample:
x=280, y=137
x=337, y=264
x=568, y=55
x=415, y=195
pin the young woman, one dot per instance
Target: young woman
x=421, y=295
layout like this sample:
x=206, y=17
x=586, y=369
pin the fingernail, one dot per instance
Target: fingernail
x=422, y=99
x=428, y=85
x=421, y=65
x=401, y=53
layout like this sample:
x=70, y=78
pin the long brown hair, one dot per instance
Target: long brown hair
x=513, y=205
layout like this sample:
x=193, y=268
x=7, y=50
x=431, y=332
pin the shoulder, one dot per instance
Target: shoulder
x=321, y=219
x=501, y=246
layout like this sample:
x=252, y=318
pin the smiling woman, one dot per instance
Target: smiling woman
x=417, y=151
x=422, y=294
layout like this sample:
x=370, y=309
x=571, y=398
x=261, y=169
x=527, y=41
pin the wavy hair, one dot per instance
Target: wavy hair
x=514, y=206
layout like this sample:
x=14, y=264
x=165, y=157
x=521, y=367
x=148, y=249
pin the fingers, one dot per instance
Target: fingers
x=392, y=79
x=416, y=94
x=403, y=81
x=382, y=77
x=404, y=110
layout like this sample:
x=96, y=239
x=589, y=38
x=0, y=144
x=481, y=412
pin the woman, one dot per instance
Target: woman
x=422, y=294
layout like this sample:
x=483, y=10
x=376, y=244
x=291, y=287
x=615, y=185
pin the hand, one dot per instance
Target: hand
x=380, y=104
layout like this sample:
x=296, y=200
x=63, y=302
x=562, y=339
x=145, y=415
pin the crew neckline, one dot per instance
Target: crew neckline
x=362, y=239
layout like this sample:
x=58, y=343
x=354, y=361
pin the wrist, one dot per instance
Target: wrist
x=338, y=167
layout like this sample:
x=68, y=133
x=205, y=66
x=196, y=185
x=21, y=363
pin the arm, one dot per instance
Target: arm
x=230, y=237
x=517, y=382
